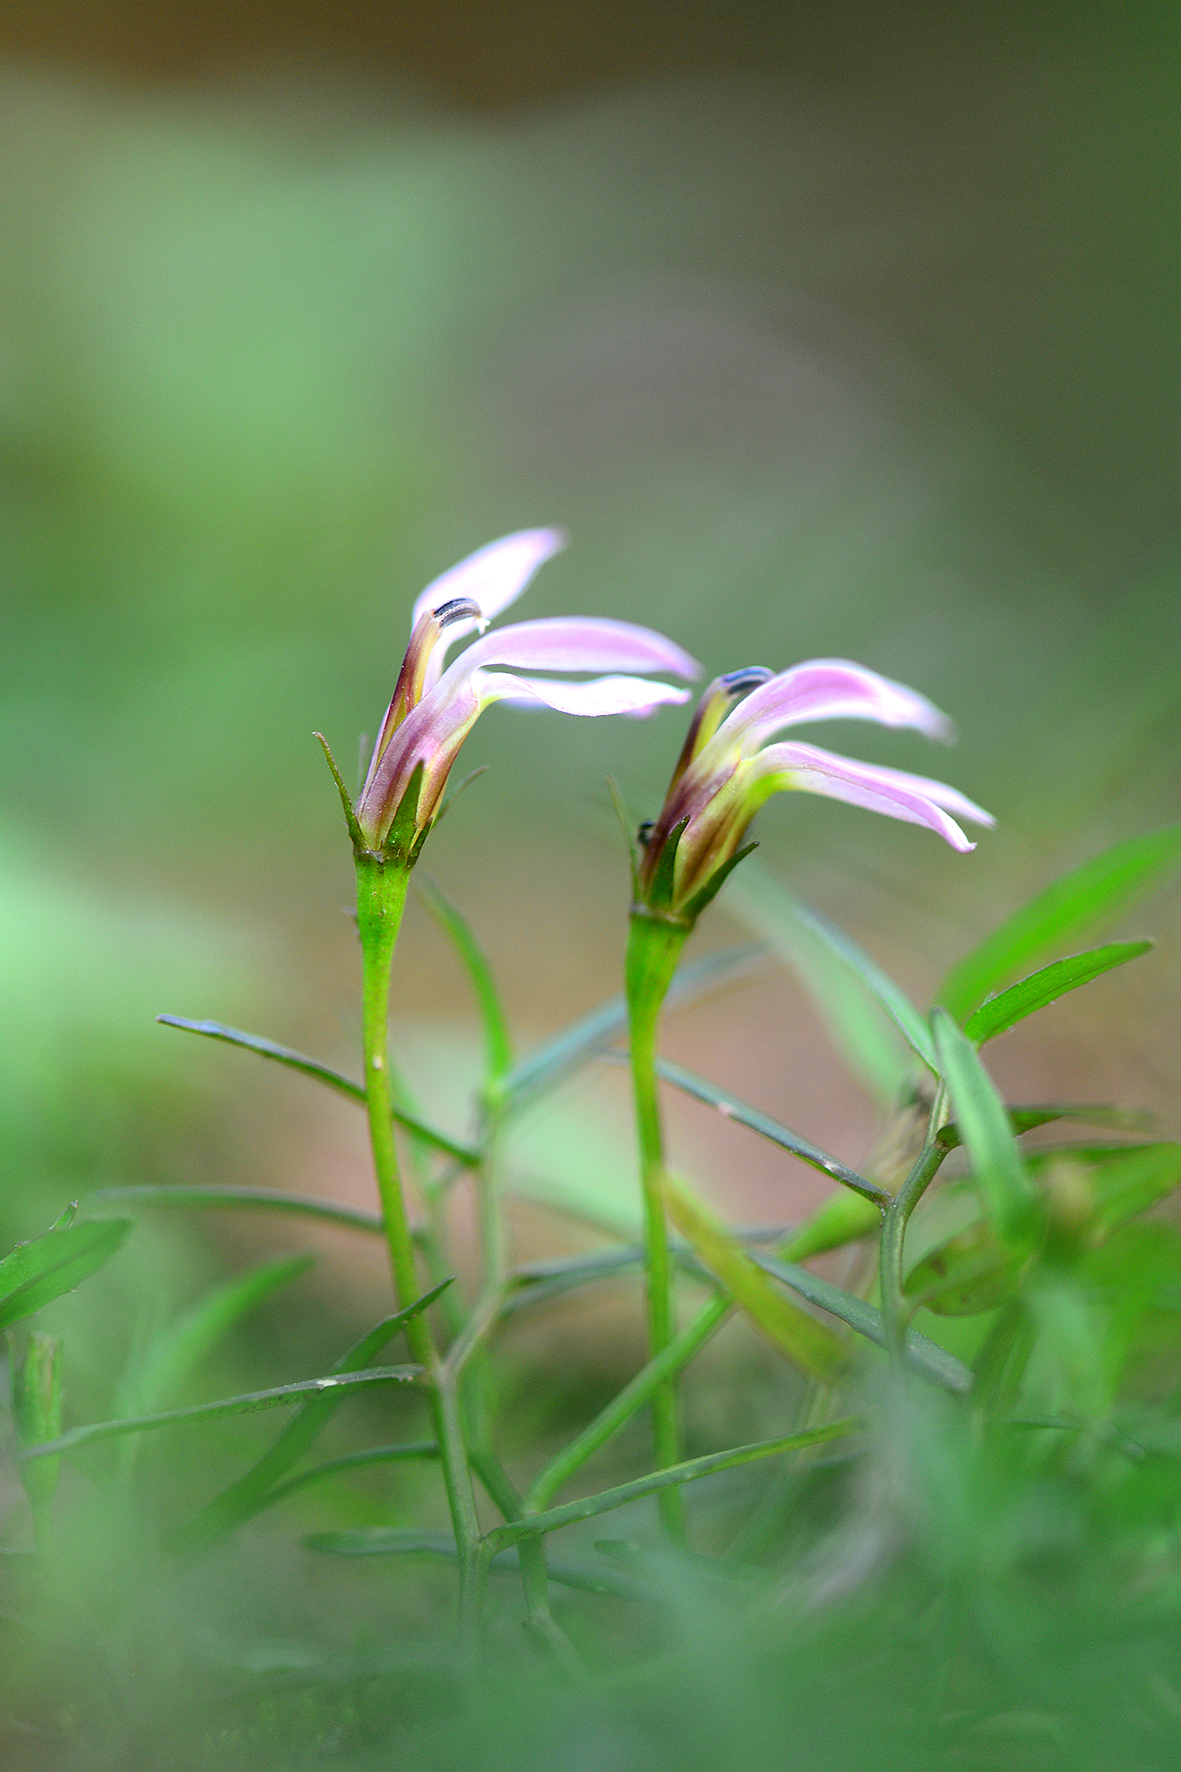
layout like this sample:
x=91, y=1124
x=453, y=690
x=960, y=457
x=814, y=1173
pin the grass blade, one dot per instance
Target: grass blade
x=808, y=1343
x=1045, y=987
x=732, y=1108
x=282, y=1396
x=36, y=1273
x=249, y=1199
x=497, y=1043
x=1090, y=894
x=550, y=1063
x=985, y=1129
x=310, y=1067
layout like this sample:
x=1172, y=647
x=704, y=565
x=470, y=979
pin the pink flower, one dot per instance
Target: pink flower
x=435, y=706
x=726, y=771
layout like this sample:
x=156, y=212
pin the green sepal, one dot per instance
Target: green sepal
x=356, y=835
x=659, y=896
x=621, y=813
x=404, y=840
x=715, y=883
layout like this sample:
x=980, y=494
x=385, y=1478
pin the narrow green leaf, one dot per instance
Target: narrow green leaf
x=1093, y=893
x=843, y=1218
x=36, y=1273
x=497, y=1043
x=986, y=1131
x=282, y=1396
x=176, y=1351
x=850, y=990
x=543, y=1281
x=228, y=1199
x=250, y=1493
x=348, y=1461
x=732, y=1108
x=549, y=1064
x=923, y=1356
x=1027, y=1119
x=809, y=1343
x=592, y=1505
x=1045, y=987
x=401, y=1541
x=309, y=1067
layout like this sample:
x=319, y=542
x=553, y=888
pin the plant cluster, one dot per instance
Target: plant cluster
x=1010, y=1326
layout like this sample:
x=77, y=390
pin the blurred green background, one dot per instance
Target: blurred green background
x=846, y=330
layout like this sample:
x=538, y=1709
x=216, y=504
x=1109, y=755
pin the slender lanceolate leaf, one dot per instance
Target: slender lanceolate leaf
x=863, y=1032
x=497, y=1043
x=250, y=1493
x=549, y=1064
x=310, y=1067
x=1045, y=987
x=401, y=1541
x=243, y=1199
x=986, y=1131
x=732, y=1108
x=177, y=1349
x=282, y=1396
x=843, y=1218
x=349, y=1461
x=808, y=1343
x=844, y=963
x=1089, y=895
x=592, y=1505
x=923, y=1356
x=36, y=1273
x=1027, y=1119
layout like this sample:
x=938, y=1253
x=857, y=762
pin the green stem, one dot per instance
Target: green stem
x=381, y=900
x=515, y=1531
x=893, y=1239
x=654, y=947
x=630, y=1399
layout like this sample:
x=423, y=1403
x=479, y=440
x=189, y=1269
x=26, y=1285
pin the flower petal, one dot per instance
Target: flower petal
x=494, y=576
x=602, y=695
x=576, y=643
x=828, y=689
x=912, y=798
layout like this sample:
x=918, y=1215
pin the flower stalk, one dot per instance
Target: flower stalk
x=381, y=899
x=654, y=947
